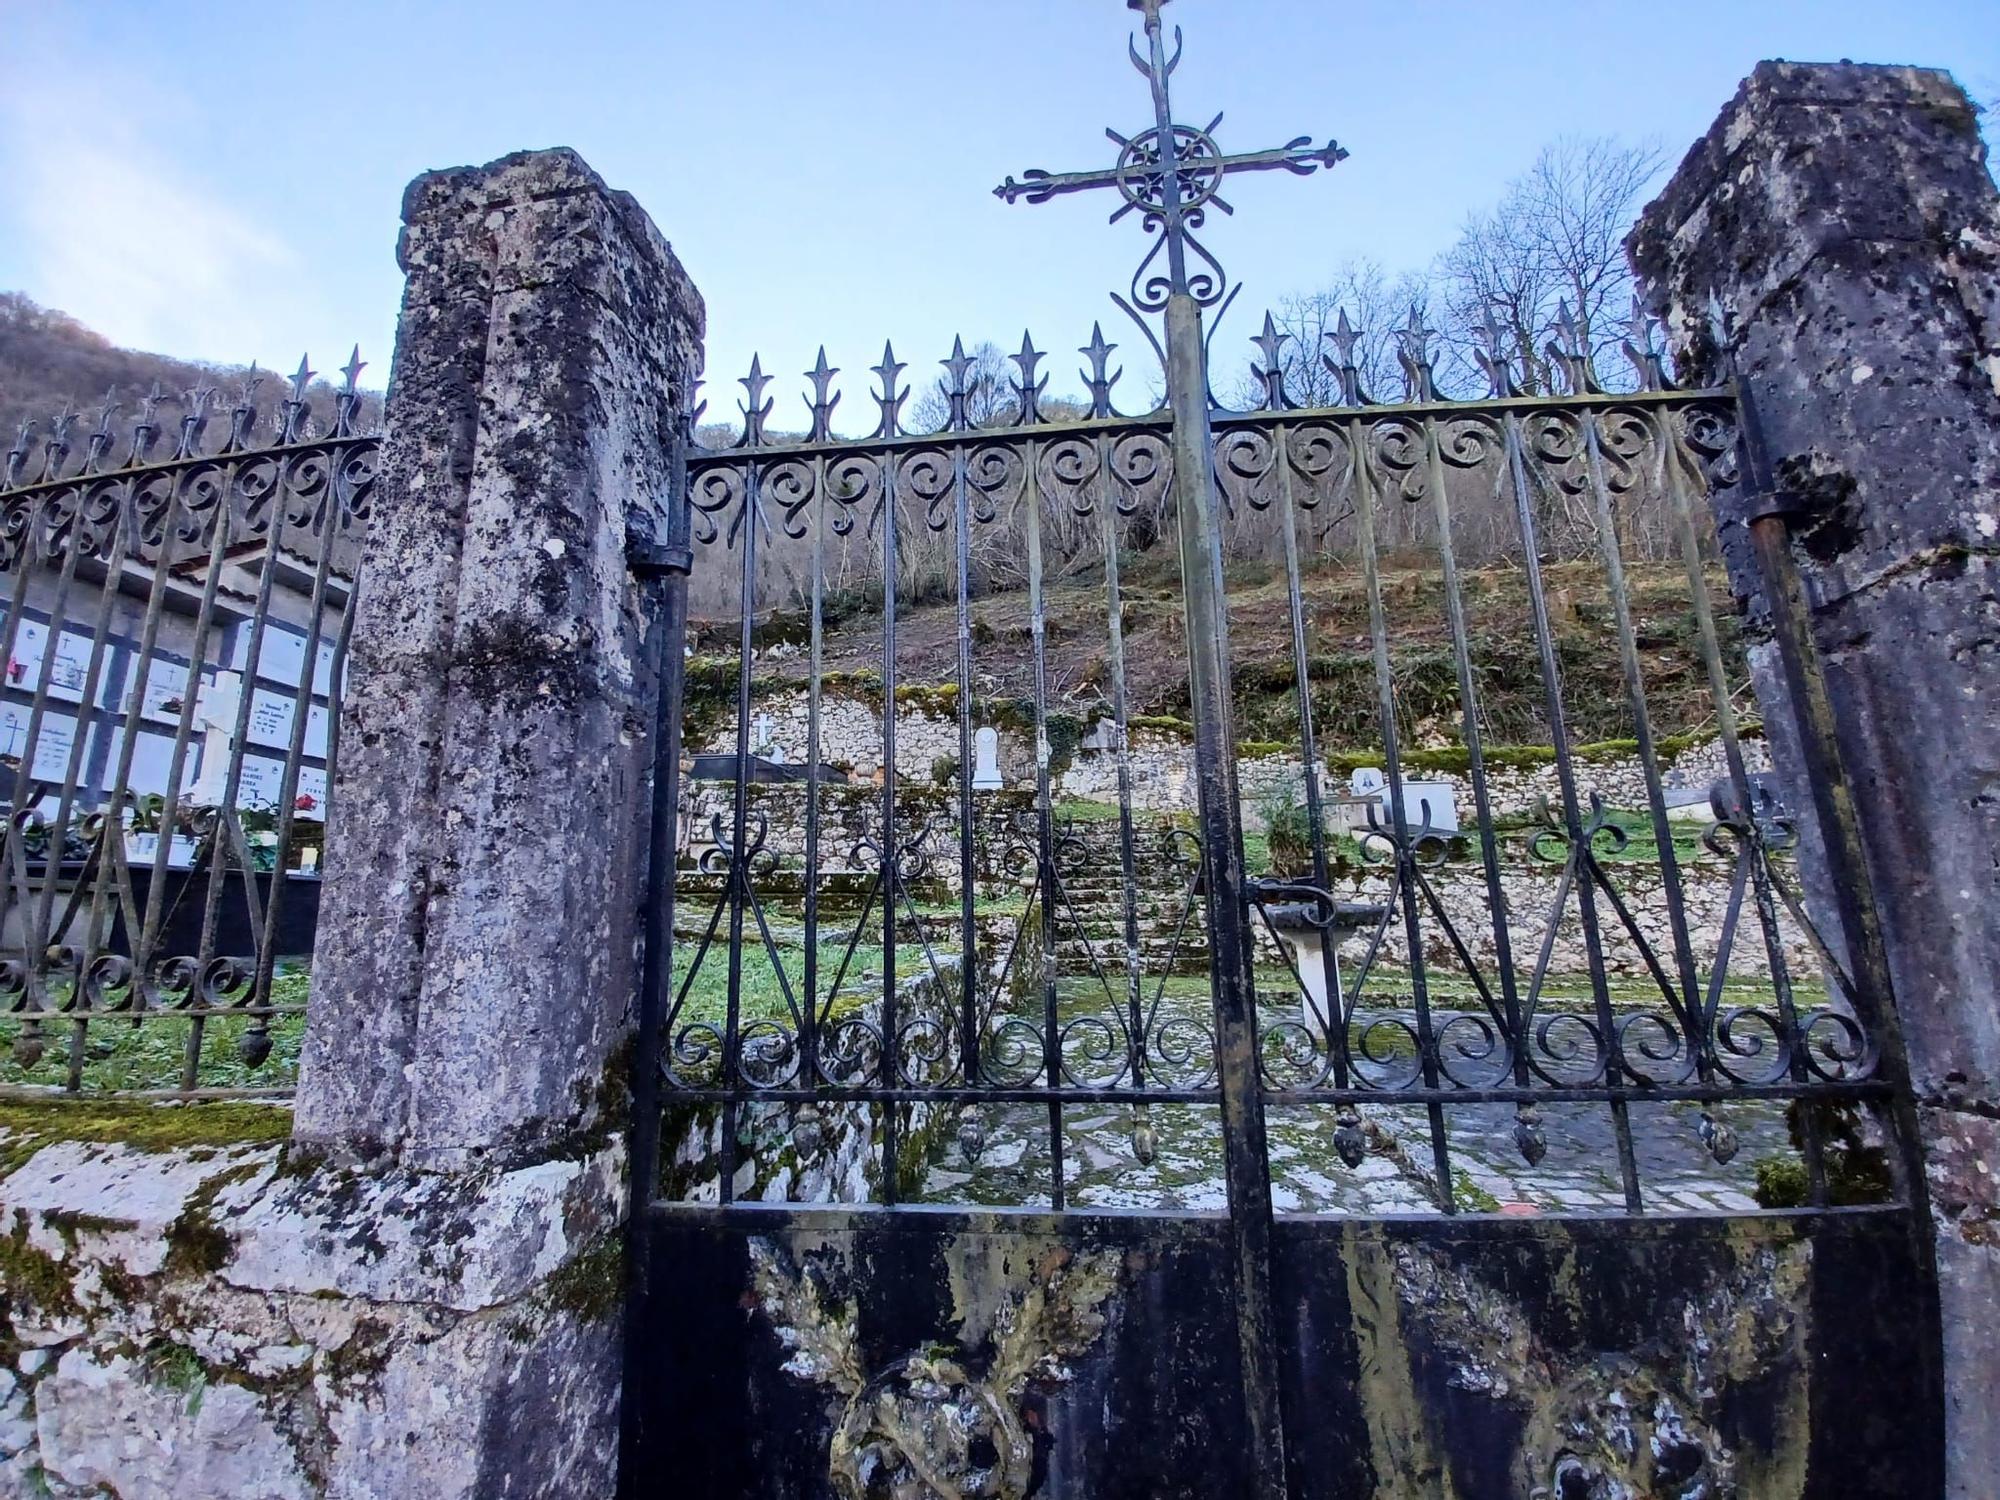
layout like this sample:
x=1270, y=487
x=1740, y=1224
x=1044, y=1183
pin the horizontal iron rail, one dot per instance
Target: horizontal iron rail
x=1580, y=1094
x=701, y=459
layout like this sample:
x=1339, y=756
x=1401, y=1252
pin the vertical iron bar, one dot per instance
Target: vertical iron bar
x=1135, y=1020
x=1679, y=467
x=1392, y=764
x=891, y=882
x=1531, y=561
x=1246, y=1164
x=228, y=826
x=667, y=648
x=739, y=858
x=968, y=932
x=1642, y=728
x=809, y=980
x=1839, y=820
x=1048, y=879
x=1475, y=758
x=1335, y=1024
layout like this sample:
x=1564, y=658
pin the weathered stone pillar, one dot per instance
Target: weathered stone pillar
x=476, y=961
x=1844, y=219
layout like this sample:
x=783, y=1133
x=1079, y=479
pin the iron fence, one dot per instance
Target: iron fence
x=175, y=634
x=1421, y=1013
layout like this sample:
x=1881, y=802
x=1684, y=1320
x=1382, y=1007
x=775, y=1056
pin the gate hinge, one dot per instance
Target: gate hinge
x=1765, y=504
x=648, y=559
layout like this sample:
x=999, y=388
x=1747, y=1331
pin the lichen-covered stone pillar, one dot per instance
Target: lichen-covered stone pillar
x=474, y=976
x=1844, y=220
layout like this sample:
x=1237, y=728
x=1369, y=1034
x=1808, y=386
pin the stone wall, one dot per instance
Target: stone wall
x=1530, y=893
x=1161, y=762
x=184, y=1314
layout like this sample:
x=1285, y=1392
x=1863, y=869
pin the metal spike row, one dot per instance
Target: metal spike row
x=194, y=417
x=101, y=437
x=17, y=456
x=292, y=411
x=243, y=416
x=56, y=448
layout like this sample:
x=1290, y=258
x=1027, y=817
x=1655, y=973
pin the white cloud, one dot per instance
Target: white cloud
x=107, y=225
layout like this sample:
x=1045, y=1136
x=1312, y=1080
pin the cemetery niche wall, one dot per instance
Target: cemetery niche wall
x=176, y=618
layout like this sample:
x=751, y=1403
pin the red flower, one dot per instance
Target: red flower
x=306, y=802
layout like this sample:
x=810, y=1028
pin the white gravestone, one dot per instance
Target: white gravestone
x=986, y=760
x=1434, y=799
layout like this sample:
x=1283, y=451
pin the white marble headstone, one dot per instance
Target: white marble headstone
x=986, y=760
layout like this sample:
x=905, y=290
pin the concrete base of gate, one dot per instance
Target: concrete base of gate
x=233, y=1318
x=798, y=1352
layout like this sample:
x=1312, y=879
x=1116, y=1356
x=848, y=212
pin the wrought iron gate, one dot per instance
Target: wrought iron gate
x=895, y=961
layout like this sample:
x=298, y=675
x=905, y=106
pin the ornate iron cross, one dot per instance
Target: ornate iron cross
x=1171, y=174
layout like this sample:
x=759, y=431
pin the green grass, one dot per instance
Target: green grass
x=121, y=1054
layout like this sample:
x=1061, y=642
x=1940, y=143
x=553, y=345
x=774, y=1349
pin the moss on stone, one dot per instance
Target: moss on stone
x=196, y=1244
x=590, y=1285
x=26, y=1126
x=32, y=1274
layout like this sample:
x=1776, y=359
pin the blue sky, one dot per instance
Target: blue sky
x=223, y=180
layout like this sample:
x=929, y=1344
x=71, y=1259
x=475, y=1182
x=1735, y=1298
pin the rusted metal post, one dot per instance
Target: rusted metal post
x=1245, y=1164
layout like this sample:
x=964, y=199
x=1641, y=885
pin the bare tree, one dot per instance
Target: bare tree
x=1374, y=305
x=989, y=393
x=1555, y=237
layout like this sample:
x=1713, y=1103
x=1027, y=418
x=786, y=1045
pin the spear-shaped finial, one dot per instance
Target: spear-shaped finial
x=1569, y=351
x=101, y=438
x=1271, y=373
x=292, y=410
x=56, y=449
x=146, y=431
x=1028, y=390
x=1642, y=348
x=243, y=417
x=194, y=417
x=1346, y=339
x=756, y=409
x=17, y=456
x=1413, y=353
x=957, y=389
x=1493, y=357
x=824, y=398
x=890, y=398
x=1099, y=354
x=347, y=400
